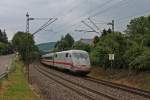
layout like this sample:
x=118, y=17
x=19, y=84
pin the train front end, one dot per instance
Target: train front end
x=81, y=62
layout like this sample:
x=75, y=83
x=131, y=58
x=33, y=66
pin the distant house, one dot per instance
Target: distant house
x=86, y=41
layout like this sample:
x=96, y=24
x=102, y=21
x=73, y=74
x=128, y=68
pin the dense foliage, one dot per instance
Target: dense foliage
x=113, y=43
x=5, y=46
x=25, y=45
x=140, y=25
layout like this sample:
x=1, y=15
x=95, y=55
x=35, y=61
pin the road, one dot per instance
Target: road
x=5, y=61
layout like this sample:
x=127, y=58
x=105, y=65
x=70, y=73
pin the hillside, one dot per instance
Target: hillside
x=46, y=46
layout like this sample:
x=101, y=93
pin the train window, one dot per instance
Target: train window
x=50, y=58
x=70, y=56
x=55, y=55
x=67, y=54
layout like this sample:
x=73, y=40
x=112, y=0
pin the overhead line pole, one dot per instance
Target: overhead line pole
x=27, y=31
x=27, y=53
x=112, y=24
x=27, y=23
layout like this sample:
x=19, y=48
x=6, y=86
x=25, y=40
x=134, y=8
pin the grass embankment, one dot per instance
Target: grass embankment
x=16, y=86
x=138, y=80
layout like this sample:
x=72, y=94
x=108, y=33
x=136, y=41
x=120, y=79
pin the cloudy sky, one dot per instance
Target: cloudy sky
x=70, y=13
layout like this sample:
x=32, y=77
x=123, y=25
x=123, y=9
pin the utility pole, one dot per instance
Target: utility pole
x=50, y=21
x=113, y=25
x=27, y=52
x=27, y=23
x=113, y=29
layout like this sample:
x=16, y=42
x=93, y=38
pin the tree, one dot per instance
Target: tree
x=2, y=48
x=82, y=46
x=106, y=32
x=96, y=40
x=3, y=37
x=68, y=38
x=65, y=43
x=5, y=47
x=109, y=30
x=25, y=45
x=142, y=61
x=137, y=56
x=140, y=25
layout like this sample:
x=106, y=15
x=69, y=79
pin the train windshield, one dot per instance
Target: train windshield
x=81, y=59
x=80, y=56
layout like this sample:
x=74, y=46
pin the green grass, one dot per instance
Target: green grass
x=16, y=86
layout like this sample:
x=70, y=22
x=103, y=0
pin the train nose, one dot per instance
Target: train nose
x=82, y=68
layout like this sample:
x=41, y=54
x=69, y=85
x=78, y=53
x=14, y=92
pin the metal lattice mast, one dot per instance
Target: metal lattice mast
x=27, y=23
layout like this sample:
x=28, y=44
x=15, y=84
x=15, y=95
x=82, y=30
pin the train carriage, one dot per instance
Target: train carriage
x=73, y=60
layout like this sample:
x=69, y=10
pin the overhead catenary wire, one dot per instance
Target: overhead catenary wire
x=44, y=26
x=100, y=6
x=101, y=12
x=94, y=24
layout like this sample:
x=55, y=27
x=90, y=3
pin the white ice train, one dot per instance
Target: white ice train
x=73, y=60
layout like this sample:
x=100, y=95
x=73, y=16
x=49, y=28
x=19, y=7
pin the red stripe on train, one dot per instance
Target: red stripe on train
x=60, y=62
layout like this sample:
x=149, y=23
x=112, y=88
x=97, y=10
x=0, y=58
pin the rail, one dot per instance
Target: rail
x=136, y=91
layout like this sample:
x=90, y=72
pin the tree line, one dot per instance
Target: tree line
x=131, y=49
x=5, y=46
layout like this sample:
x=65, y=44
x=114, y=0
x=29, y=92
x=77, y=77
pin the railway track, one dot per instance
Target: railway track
x=129, y=93
x=86, y=92
x=135, y=91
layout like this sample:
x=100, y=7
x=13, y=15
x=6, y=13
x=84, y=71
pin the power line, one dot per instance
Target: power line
x=138, y=14
x=103, y=11
x=70, y=11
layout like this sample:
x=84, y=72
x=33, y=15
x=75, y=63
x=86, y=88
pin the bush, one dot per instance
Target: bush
x=141, y=61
